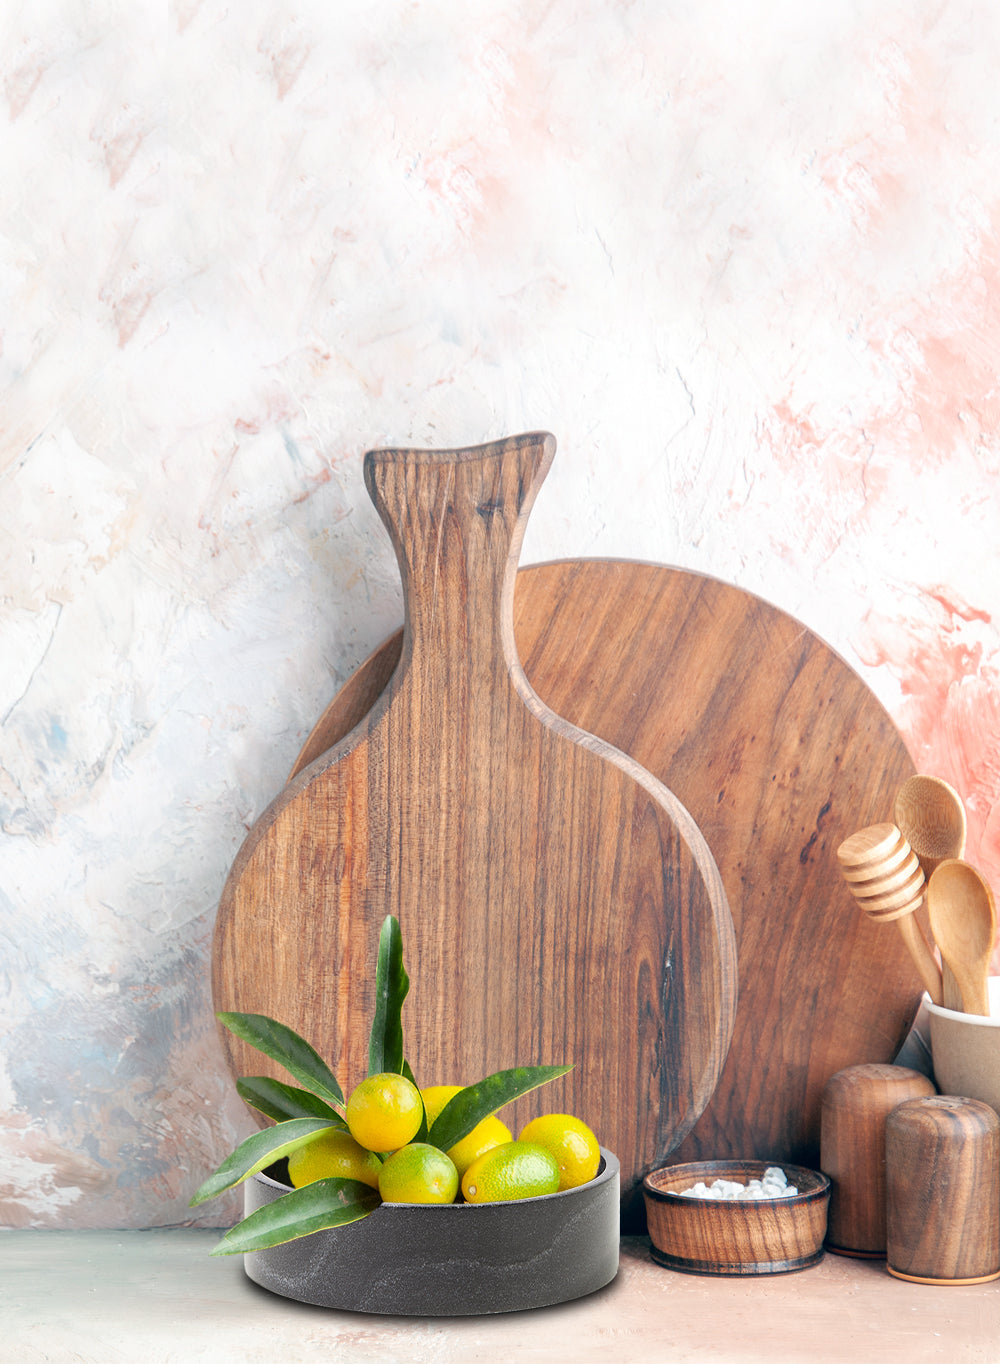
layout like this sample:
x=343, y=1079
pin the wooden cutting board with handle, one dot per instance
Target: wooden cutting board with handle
x=779, y=750
x=557, y=903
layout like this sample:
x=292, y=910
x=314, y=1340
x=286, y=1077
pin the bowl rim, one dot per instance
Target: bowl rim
x=699, y=1169
x=608, y=1170
x=976, y=1020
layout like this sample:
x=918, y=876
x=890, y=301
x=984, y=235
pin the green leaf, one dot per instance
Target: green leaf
x=409, y=1075
x=260, y=1150
x=471, y=1105
x=289, y=1049
x=281, y=1101
x=385, y=1046
x=315, y=1207
x=421, y=1134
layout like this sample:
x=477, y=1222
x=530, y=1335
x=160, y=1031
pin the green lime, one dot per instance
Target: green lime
x=334, y=1155
x=518, y=1169
x=418, y=1173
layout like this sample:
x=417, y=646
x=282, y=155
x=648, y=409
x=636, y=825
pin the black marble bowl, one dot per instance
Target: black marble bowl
x=455, y=1259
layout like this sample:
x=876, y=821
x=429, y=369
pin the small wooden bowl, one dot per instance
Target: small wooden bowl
x=735, y=1237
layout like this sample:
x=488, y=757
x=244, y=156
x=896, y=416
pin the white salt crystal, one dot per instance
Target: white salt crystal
x=773, y=1185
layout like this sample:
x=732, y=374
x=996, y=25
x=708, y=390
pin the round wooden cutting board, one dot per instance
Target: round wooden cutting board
x=557, y=903
x=778, y=750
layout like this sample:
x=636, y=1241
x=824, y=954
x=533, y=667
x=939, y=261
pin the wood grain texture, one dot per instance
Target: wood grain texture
x=779, y=750
x=856, y=1104
x=885, y=877
x=735, y=1237
x=931, y=817
x=963, y=919
x=951, y=991
x=943, y=1191
x=557, y=903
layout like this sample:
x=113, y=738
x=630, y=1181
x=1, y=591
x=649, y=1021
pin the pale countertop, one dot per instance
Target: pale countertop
x=106, y=1297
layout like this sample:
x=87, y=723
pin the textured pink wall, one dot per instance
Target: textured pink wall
x=741, y=259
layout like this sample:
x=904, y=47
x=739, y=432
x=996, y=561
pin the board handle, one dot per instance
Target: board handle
x=456, y=519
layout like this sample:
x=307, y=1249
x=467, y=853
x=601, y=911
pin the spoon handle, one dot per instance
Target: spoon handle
x=923, y=958
x=952, y=994
x=976, y=997
x=972, y=992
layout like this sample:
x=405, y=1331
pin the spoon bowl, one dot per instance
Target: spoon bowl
x=931, y=817
x=964, y=923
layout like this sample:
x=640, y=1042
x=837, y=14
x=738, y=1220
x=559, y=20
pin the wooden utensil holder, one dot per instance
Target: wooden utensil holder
x=943, y=1191
x=856, y=1103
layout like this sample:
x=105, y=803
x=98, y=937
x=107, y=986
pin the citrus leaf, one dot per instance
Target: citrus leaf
x=289, y=1049
x=409, y=1075
x=471, y=1105
x=260, y=1150
x=281, y=1101
x=385, y=1046
x=315, y=1207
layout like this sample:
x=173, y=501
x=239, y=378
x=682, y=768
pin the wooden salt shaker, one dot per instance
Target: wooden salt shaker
x=856, y=1103
x=943, y=1191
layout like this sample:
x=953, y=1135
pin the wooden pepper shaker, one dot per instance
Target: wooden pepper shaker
x=856, y=1103
x=943, y=1191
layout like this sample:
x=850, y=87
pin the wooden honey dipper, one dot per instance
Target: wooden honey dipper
x=887, y=881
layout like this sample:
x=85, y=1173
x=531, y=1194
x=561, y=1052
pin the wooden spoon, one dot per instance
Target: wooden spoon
x=964, y=923
x=886, y=879
x=931, y=817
